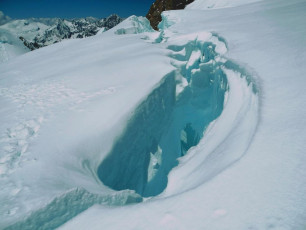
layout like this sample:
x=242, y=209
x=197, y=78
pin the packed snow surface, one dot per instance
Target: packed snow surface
x=215, y=4
x=207, y=116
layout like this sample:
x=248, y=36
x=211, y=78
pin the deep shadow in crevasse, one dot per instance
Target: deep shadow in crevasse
x=165, y=126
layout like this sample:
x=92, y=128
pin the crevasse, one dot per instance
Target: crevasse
x=168, y=122
x=166, y=126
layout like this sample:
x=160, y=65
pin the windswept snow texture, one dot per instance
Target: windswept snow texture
x=214, y=186
x=68, y=205
x=207, y=116
x=215, y=4
x=61, y=109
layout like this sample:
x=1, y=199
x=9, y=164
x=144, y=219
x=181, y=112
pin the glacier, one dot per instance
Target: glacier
x=200, y=125
x=166, y=115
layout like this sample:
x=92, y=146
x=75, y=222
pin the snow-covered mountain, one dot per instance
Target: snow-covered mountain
x=200, y=125
x=30, y=34
x=4, y=18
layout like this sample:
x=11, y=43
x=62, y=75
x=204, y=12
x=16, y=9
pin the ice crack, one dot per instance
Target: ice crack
x=171, y=120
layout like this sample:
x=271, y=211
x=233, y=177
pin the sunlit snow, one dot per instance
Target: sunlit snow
x=198, y=126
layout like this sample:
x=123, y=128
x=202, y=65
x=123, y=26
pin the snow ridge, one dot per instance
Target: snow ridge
x=20, y=36
x=68, y=205
x=17, y=138
x=203, y=150
x=199, y=109
x=201, y=89
x=215, y=4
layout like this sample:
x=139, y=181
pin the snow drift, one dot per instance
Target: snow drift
x=215, y=4
x=205, y=119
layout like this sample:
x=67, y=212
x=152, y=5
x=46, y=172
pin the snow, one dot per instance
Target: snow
x=9, y=51
x=216, y=4
x=10, y=45
x=42, y=103
x=234, y=77
x=134, y=25
x=25, y=28
x=102, y=30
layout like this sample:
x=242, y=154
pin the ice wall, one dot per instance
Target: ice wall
x=126, y=165
x=133, y=25
x=169, y=122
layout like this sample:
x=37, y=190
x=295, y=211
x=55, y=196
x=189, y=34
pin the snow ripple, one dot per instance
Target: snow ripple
x=16, y=142
x=39, y=98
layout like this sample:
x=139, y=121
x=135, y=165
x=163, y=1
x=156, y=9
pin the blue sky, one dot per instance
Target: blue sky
x=74, y=8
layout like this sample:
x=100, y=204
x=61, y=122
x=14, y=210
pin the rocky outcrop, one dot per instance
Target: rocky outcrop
x=154, y=14
x=30, y=45
x=76, y=28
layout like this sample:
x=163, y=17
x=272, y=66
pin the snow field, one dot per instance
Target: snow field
x=247, y=171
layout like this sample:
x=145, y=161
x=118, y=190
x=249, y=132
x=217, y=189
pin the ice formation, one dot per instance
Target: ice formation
x=197, y=126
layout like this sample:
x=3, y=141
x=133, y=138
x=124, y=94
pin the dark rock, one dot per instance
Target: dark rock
x=112, y=21
x=30, y=45
x=154, y=14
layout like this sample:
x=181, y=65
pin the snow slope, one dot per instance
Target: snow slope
x=266, y=188
x=71, y=83
x=222, y=90
x=215, y=4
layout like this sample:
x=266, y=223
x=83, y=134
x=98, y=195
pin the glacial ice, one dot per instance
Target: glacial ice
x=133, y=25
x=160, y=131
x=168, y=123
x=240, y=168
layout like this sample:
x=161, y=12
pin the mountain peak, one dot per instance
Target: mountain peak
x=74, y=28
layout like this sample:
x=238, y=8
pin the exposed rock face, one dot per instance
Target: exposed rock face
x=75, y=28
x=154, y=14
x=30, y=45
